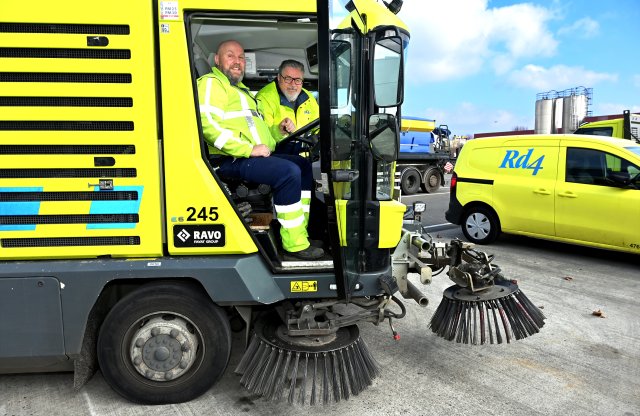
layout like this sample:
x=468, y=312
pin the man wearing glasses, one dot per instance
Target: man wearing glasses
x=286, y=106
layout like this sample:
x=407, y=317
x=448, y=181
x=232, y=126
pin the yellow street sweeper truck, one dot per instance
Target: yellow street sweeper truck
x=121, y=247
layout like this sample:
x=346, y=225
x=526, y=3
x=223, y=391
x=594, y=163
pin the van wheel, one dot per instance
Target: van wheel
x=431, y=181
x=480, y=225
x=164, y=343
x=410, y=181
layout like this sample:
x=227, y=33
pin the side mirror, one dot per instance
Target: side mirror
x=387, y=71
x=383, y=137
x=620, y=179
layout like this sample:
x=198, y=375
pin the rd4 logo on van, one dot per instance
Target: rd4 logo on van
x=514, y=160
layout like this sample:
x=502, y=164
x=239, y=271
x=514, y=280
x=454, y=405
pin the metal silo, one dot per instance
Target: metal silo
x=573, y=112
x=557, y=115
x=544, y=116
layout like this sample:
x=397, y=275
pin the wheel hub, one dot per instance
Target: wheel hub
x=478, y=225
x=163, y=348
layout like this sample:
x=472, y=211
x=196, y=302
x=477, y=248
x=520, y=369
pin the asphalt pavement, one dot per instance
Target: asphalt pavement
x=579, y=364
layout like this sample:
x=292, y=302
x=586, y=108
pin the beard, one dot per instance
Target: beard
x=291, y=96
x=233, y=79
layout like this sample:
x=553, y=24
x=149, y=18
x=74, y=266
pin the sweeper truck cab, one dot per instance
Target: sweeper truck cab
x=121, y=247
x=626, y=126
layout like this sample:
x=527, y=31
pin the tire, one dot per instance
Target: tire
x=431, y=182
x=410, y=181
x=480, y=225
x=184, y=338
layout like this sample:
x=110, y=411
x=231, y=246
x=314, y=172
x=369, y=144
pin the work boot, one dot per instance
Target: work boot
x=309, y=253
x=316, y=243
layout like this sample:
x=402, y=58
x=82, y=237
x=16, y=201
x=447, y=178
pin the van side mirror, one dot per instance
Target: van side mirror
x=620, y=179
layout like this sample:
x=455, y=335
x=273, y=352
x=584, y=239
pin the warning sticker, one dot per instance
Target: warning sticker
x=169, y=10
x=304, y=286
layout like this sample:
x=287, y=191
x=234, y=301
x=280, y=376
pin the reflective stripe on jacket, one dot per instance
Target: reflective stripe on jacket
x=274, y=111
x=230, y=119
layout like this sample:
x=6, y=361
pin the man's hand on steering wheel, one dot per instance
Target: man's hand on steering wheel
x=307, y=134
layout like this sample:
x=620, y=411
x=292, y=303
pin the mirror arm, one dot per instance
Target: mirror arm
x=344, y=175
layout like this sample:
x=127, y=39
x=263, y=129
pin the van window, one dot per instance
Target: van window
x=591, y=166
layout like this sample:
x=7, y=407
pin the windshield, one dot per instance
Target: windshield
x=634, y=149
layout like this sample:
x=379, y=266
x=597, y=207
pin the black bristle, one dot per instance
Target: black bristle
x=490, y=330
x=322, y=376
x=294, y=379
x=533, y=311
x=467, y=317
x=325, y=378
x=249, y=356
x=254, y=370
x=303, y=383
x=494, y=308
x=344, y=380
x=474, y=340
x=482, y=328
x=282, y=377
x=337, y=390
x=315, y=373
x=354, y=380
x=264, y=377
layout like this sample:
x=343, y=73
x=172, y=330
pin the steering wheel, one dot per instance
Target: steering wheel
x=308, y=135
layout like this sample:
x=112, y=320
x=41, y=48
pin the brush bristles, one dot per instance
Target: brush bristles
x=476, y=321
x=307, y=377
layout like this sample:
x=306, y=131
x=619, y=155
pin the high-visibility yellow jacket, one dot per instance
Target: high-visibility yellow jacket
x=231, y=121
x=276, y=108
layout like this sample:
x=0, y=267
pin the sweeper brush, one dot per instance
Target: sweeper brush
x=319, y=369
x=498, y=313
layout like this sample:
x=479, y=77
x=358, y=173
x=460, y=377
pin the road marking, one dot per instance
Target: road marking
x=425, y=194
x=89, y=404
x=440, y=227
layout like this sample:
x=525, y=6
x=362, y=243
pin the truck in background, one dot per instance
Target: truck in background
x=424, y=151
x=625, y=127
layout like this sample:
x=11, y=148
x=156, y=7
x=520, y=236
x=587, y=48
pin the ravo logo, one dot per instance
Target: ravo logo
x=514, y=160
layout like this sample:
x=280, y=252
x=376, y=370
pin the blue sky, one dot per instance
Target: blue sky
x=477, y=65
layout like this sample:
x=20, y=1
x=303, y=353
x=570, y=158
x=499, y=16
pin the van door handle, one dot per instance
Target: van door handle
x=567, y=194
x=541, y=191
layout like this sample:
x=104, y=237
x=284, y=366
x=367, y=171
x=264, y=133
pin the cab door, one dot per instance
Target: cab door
x=348, y=165
x=589, y=207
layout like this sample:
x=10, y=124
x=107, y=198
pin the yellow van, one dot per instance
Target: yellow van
x=572, y=188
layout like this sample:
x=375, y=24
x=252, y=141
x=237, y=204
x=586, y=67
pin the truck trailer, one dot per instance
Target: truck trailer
x=424, y=151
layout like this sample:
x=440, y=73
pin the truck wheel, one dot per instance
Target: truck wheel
x=480, y=225
x=410, y=181
x=164, y=343
x=431, y=182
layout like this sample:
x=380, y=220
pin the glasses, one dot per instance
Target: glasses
x=287, y=79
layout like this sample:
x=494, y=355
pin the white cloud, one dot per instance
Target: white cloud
x=455, y=38
x=585, y=28
x=557, y=77
x=467, y=118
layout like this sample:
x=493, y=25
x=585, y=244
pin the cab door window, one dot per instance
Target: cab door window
x=594, y=167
